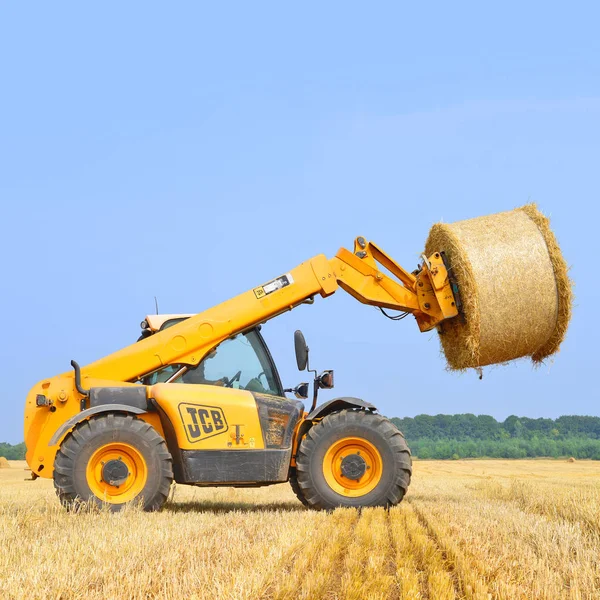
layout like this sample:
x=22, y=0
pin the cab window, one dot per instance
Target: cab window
x=241, y=362
x=161, y=375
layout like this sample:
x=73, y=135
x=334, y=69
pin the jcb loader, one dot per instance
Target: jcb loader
x=198, y=400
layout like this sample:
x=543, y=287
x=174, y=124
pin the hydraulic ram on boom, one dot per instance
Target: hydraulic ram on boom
x=65, y=415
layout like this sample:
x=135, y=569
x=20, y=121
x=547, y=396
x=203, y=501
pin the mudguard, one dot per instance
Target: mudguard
x=86, y=414
x=338, y=404
x=102, y=400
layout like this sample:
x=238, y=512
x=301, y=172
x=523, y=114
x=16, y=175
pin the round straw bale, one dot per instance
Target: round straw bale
x=571, y=460
x=514, y=287
x=4, y=463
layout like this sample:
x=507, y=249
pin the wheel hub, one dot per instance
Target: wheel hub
x=353, y=466
x=115, y=472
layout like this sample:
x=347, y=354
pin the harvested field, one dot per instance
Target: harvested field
x=467, y=529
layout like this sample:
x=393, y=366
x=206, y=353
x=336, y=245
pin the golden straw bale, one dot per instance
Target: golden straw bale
x=514, y=286
x=4, y=463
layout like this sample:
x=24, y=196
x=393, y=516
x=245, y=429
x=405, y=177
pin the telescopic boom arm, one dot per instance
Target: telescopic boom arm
x=427, y=294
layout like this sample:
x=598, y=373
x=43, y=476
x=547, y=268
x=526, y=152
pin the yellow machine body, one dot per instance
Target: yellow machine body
x=212, y=430
x=207, y=417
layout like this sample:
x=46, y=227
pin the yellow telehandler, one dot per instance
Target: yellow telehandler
x=198, y=400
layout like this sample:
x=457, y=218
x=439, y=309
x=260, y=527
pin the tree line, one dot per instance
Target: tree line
x=16, y=452
x=481, y=436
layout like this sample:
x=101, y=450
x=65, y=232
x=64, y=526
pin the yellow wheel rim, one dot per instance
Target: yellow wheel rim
x=352, y=467
x=116, y=473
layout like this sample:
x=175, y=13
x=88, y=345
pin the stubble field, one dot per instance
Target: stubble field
x=467, y=529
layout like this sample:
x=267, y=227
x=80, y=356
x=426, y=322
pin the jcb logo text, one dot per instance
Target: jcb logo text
x=201, y=422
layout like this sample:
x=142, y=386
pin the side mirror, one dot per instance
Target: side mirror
x=325, y=380
x=301, y=391
x=301, y=350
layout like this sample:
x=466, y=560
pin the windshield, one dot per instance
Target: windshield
x=241, y=362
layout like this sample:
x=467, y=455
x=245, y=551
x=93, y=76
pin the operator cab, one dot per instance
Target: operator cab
x=241, y=362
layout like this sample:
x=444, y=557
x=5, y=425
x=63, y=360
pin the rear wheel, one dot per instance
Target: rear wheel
x=353, y=458
x=111, y=460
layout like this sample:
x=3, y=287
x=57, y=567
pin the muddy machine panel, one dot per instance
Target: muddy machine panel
x=225, y=435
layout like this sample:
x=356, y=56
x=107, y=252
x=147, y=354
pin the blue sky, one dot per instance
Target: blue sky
x=196, y=151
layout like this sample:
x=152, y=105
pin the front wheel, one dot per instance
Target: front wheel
x=113, y=459
x=353, y=458
x=296, y=487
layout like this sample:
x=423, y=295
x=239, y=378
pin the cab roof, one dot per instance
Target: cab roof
x=155, y=322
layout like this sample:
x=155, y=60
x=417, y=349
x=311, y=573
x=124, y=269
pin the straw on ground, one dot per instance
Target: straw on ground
x=467, y=529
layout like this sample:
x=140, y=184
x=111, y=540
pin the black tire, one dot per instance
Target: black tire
x=296, y=487
x=379, y=432
x=70, y=464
